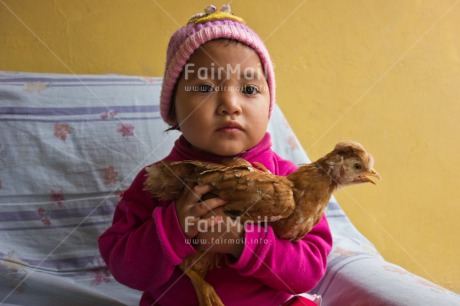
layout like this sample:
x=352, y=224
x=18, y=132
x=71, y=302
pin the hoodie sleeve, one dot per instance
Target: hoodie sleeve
x=145, y=242
x=293, y=267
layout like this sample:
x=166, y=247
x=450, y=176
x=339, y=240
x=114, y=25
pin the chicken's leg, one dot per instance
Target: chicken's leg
x=207, y=296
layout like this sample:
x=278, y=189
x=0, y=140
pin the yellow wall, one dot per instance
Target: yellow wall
x=382, y=72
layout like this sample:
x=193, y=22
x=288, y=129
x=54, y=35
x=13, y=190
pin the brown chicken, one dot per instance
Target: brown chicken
x=292, y=205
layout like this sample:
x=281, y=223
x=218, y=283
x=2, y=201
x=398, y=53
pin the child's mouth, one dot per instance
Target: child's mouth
x=230, y=127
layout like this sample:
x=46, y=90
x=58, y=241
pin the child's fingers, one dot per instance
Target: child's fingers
x=194, y=193
x=194, y=226
x=210, y=222
x=199, y=190
x=204, y=207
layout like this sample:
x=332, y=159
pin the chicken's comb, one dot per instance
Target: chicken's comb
x=211, y=13
x=349, y=144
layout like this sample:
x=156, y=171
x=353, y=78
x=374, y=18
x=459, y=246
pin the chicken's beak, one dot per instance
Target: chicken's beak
x=371, y=173
x=365, y=177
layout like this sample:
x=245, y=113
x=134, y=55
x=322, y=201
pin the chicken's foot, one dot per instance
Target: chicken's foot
x=207, y=296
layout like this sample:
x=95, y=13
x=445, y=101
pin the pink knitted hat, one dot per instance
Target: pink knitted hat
x=201, y=28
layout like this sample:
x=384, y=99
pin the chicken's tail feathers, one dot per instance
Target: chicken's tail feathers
x=166, y=180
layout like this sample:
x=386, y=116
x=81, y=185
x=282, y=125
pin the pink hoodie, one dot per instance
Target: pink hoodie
x=145, y=245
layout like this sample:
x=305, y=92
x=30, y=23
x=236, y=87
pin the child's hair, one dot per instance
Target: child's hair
x=201, y=28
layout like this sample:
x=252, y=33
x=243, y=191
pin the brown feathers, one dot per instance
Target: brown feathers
x=292, y=204
x=251, y=193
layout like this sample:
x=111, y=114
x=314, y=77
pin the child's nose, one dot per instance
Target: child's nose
x=228, y=102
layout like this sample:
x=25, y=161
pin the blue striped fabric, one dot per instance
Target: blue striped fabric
x=69, y=145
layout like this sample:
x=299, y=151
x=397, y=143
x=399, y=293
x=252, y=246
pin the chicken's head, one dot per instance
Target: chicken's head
x=350, y=164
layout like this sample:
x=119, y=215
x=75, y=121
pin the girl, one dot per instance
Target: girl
x=219, y=91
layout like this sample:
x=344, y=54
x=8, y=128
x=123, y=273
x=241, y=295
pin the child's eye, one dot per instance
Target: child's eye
x=204, y=88
x=250, y=90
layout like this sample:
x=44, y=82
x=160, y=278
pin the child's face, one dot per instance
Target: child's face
x=222, y=99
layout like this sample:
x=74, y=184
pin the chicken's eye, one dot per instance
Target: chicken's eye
x=357, y=166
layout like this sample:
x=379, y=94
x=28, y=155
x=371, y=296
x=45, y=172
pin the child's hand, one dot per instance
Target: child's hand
x=225, y=237
x=190, y=209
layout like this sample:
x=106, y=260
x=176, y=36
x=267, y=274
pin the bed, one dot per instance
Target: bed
x=71, y=144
